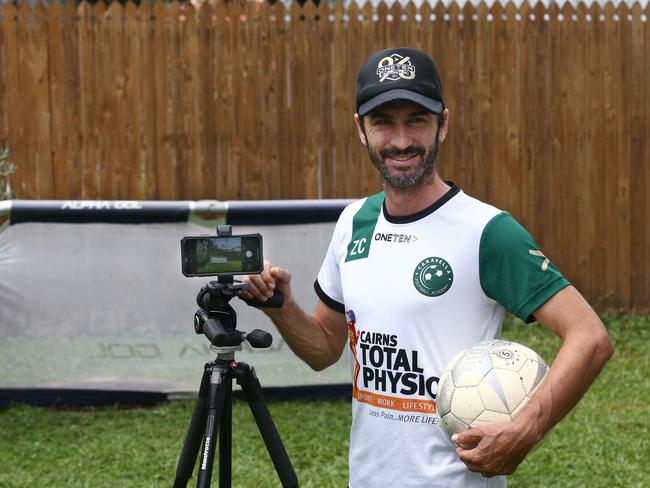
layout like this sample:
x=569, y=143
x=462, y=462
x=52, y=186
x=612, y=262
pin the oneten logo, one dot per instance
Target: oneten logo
x=398, y=238
x=395, y=67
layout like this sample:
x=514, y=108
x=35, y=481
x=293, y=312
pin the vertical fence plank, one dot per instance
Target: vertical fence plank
x=515, y=74
x=207, y=105
x=188, y=171
x=110, y=68
x=284, y=115
x=27, y=174
x=541, y=104
x=643, y=305
x=611, y=68
x=4, y=39
x=582, y=155
x=12, y=110
x=72, y=130
x=86, y=53
x=491, y=23
x=144, y=92
x=131, y=181
x=33, y=149
x=475, y=94
x=339, y=66
x=623, y=198
x=637, y=149
x=586, y=162
x=355, y=166
x=452, y=75
x=295, y=87
x=57, y=83
x=157, y=184
x=486, y=118
x=563, y=175
x=270, y=70
x=174, y=109
x=597, y=283
x=325, y=110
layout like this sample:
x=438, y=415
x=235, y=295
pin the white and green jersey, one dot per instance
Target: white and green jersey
x=416, y=291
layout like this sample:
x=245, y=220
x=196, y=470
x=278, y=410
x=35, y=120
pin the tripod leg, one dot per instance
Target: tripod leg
x=215, y=404
x=253, y=391
x=225, y=438
x=193, y=436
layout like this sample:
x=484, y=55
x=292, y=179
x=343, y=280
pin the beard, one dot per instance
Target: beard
x=406, y=177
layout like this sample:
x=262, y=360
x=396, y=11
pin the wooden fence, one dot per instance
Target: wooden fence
x=550, y=111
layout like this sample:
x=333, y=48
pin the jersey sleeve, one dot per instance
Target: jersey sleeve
x=513, y=271
x=328, y=284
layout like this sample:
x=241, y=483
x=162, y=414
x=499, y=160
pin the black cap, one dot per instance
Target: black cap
x=400, y=73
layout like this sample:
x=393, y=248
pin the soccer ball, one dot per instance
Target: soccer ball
x=487, y=383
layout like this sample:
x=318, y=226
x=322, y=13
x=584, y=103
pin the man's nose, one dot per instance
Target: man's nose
x=401, y=138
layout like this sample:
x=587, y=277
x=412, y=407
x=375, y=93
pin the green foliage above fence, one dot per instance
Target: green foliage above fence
x=6, y=169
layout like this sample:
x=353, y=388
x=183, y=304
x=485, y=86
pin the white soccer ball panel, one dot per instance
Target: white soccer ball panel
x=532, y=373
x=471, y=368
x=518, y=410
x=489, y=417
x=445, y=394
x=467, y=378
x=466, y=403
x=510, y=387
x=453, y=361
x=452, y=425
x=492, y=394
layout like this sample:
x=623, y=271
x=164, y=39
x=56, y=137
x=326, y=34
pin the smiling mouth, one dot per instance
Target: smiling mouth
x=403, y=158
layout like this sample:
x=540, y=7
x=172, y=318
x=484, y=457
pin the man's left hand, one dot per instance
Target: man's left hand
x=494, y=449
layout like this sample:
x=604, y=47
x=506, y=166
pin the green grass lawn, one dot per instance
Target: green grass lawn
x=604, y=442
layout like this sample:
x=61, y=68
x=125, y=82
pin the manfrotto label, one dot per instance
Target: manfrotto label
x=433, y=276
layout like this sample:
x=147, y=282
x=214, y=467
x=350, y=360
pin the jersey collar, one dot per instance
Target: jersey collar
x=406, y=219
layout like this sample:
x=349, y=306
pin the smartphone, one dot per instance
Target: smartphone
x=222, y=255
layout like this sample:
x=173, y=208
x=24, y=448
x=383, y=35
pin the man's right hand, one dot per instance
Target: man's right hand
x=263, y=285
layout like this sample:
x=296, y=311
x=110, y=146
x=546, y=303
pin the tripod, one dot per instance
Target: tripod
x=213, y=409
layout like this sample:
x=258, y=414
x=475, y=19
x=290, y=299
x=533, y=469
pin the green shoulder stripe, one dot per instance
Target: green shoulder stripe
x=363, y=226
x=512, y=269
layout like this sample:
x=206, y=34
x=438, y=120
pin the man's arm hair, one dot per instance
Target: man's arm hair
x=586, y=347
x=317, y=338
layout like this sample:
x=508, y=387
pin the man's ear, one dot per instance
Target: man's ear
x=362, y=135
x=442, y=131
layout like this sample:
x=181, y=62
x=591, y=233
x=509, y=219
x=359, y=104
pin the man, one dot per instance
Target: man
x=412, y=276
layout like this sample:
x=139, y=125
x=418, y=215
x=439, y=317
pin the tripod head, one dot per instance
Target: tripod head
x=217, y=320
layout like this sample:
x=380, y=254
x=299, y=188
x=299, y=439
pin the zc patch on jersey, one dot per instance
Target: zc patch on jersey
x=363, y=226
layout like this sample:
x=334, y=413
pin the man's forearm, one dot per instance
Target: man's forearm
x=580, y=359
x=310, y=338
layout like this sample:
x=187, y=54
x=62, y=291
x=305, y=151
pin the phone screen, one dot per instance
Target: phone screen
x=228, y=255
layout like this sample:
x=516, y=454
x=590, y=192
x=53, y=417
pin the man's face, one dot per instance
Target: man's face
x=402, y=140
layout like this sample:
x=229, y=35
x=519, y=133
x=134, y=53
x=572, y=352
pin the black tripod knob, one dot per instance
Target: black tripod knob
x=259, y=339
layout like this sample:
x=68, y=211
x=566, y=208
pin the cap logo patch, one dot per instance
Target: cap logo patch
x=394, y=67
